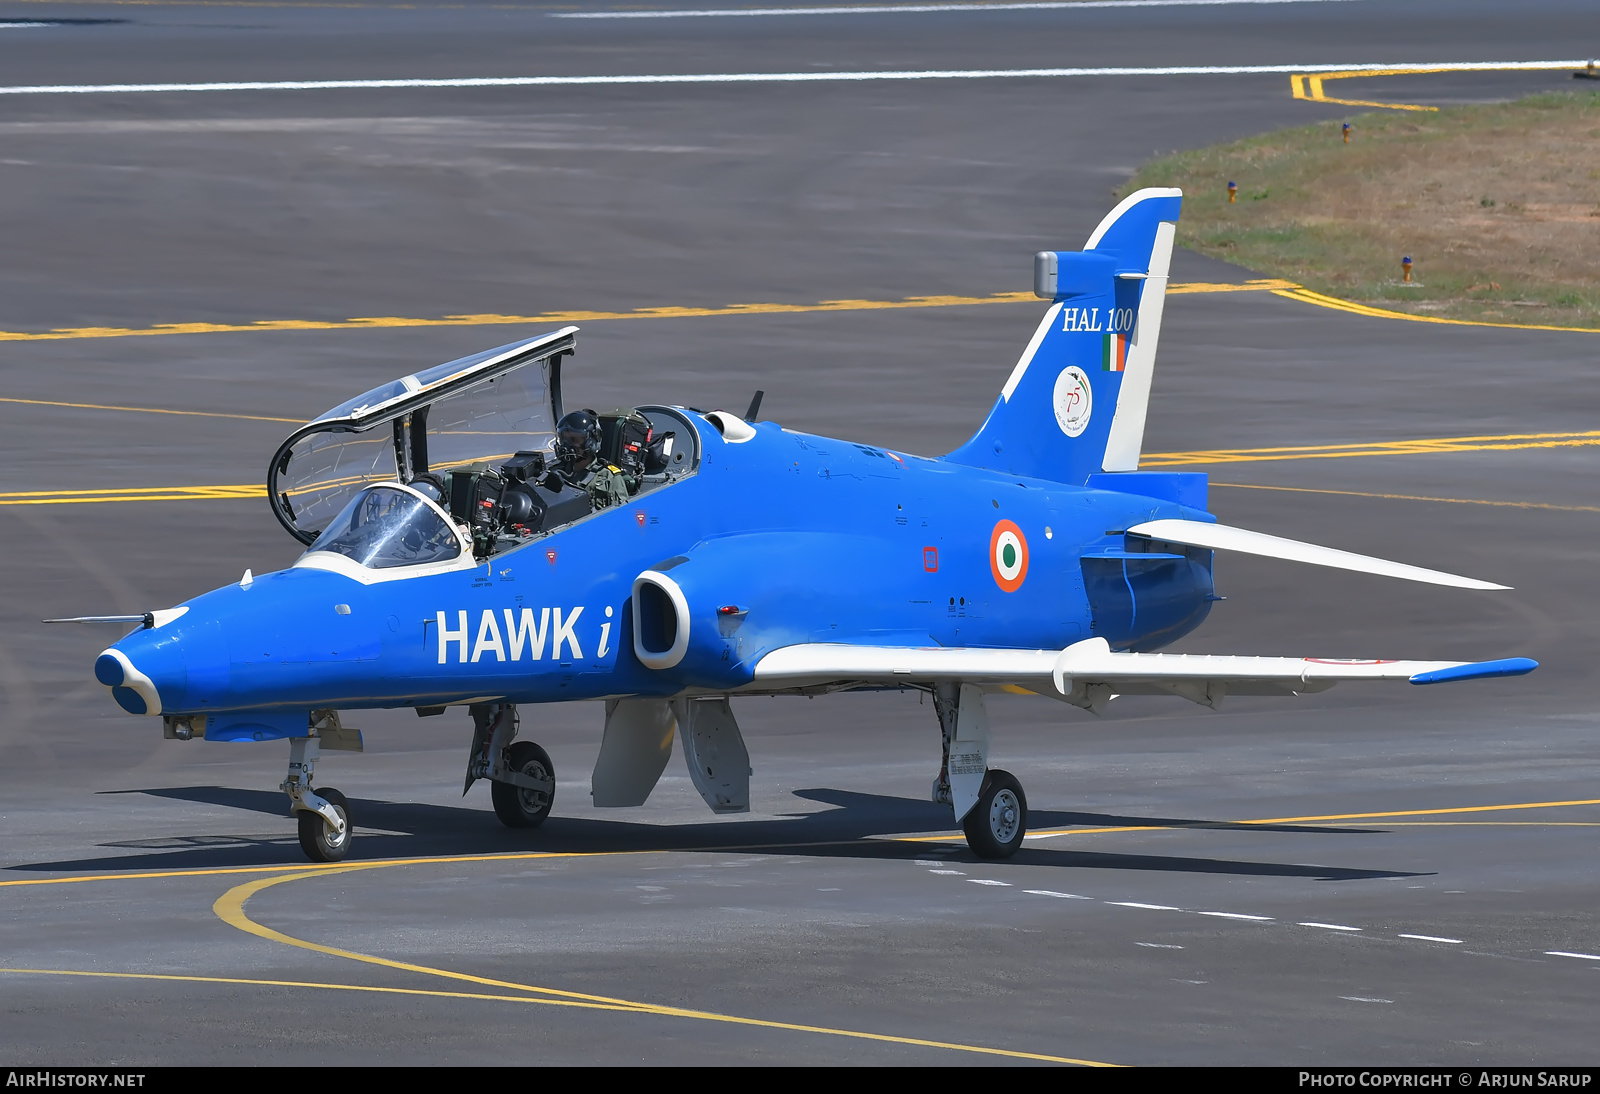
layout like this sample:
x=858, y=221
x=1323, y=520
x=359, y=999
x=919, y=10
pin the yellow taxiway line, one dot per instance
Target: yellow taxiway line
x=152, y=410
x=378, y=322
x=1416, y=447
x=1289, y=290
x=1211, y=825
x=1306, y=296
x=230, y=908
x=1414, y=497
x=521, y=856
x=1309, y=86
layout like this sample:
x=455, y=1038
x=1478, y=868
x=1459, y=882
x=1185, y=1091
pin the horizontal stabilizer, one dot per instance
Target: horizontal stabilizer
x=1220, y=537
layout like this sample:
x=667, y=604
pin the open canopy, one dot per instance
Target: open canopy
x=474, y=410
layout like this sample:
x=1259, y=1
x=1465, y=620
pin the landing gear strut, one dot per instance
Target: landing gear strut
x=323, y=814
x=989, y=805
x=523, y=778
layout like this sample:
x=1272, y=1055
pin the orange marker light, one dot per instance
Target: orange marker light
x=1346, y=132
x=1233, y=192
x=1405, y=265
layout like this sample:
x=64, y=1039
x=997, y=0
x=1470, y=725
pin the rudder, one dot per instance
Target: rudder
x=1075, y=403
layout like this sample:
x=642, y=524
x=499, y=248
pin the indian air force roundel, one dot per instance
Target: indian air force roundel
x=1008, y=556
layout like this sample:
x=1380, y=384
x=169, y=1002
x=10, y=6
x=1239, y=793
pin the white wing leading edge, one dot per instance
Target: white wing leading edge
x=1088, y=674
x=1220, y=537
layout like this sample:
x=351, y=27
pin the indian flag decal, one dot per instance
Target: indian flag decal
x=1008, y=556
x=1114, y=356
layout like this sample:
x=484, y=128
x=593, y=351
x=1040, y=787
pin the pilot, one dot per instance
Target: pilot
x=578, y=461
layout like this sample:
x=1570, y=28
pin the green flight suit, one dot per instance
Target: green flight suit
x=610, y=486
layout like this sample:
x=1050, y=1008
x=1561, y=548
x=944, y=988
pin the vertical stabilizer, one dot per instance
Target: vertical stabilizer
x=1075, y=403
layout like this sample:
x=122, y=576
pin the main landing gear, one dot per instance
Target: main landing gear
x=989, y=805
x=523, y=780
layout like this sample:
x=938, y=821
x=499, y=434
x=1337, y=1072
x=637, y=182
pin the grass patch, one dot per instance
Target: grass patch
x=1497, y=205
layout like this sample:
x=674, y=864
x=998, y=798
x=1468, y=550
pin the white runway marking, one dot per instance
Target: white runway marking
x=1159, y=945
x=905, y=9
x=956, y=873
x=987, y=881
x=25, y=26
x=773, y=77
x=1433, y=938
x=1240, y=915
x=1364, y=999
x=1150, y=907
x=1331, y=926
x=1564, y=953
x=1060, y=896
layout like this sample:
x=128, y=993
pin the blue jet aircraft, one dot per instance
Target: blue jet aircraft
x=459, y=555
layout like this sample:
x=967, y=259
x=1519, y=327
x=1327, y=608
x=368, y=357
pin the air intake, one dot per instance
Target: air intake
x=660, y=621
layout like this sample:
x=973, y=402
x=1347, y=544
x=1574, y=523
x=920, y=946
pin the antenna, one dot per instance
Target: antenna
x=755, y=406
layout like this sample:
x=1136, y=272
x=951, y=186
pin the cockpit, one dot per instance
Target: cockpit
x=465, y=453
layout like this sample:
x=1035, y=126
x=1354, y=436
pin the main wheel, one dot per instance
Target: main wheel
x=999, y=820
x=320, y=842
x=518, y=807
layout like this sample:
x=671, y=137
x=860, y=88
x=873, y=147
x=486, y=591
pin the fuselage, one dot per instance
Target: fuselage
x=777, y=539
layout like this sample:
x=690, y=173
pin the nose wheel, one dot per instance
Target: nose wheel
x=997, y=822
x=320, y=840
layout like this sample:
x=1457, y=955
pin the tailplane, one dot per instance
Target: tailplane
x=1075, y=403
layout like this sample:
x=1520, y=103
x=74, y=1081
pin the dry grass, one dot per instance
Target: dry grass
x=1497, y=205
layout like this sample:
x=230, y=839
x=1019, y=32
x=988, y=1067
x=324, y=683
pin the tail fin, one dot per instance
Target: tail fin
x=1075, y=403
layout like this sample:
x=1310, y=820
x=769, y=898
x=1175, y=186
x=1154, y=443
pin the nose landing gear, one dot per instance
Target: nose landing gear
x=321, y=840
x=323, y=814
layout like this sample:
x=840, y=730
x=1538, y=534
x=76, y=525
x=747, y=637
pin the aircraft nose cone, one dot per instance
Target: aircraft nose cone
x=108, y=670
x=133, y=691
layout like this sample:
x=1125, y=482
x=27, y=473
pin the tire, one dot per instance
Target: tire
x=516, y=807
x=317, y=840
x=999, y=820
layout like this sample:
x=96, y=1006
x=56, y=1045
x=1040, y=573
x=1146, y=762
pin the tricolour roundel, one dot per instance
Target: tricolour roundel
x=1008, y=556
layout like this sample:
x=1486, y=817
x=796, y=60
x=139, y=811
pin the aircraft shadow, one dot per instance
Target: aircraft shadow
x=388, y=830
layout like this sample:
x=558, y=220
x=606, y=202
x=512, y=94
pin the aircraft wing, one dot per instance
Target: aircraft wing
x=1089, y=673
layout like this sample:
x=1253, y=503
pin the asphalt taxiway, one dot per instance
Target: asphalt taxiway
x=1401, y=875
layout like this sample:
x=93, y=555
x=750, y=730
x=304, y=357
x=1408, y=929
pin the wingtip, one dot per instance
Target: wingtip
x=1478, y=670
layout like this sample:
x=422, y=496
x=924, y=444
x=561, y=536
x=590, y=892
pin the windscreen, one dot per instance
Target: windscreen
x=384, y=527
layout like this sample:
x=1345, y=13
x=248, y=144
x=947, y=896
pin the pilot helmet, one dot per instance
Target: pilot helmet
x=578, y=435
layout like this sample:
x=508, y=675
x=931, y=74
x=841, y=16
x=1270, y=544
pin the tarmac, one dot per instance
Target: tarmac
x=1373, y=875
